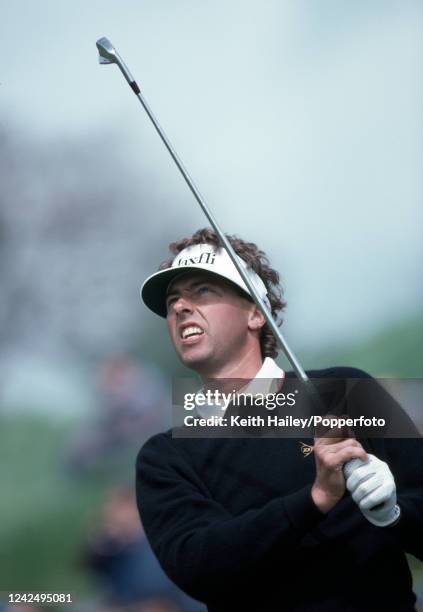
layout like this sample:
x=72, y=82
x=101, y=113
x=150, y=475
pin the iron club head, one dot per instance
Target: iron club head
x=106, y=50
x=109, y=55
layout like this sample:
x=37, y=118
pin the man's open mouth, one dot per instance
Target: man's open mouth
x=192, y=331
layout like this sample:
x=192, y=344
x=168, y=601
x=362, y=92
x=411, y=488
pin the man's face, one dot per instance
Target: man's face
x=209, y=322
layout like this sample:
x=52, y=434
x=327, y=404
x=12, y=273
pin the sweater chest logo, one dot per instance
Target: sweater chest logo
x=306, y=449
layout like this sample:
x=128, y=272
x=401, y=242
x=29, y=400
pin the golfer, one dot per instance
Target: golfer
x=252, y=524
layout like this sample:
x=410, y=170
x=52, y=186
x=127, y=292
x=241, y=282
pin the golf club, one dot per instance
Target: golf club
x=109, y=55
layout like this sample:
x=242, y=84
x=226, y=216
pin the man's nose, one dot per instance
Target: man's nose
x=182, y=304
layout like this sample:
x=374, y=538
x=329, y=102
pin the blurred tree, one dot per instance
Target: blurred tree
x=74, y=245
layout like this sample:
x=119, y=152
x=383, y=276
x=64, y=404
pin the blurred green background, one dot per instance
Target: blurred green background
x=302, y=126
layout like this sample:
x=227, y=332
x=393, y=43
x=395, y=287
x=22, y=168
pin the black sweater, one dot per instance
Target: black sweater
x=232, y=523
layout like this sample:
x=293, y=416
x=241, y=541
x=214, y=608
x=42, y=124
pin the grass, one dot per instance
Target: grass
x=43, y=511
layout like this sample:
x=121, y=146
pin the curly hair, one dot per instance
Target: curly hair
x=257, y=261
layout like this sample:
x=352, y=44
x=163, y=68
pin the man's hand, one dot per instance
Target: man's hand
x=373, y=489
x=330, y=454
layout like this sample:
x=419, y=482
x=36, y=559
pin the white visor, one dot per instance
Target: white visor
x=198, y=257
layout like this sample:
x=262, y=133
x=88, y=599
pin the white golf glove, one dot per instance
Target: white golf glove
x=372, y=487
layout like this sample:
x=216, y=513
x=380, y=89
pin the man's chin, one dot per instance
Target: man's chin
x=194, y=358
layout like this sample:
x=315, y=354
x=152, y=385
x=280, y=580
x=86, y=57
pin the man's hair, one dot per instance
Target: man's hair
x=257, y=261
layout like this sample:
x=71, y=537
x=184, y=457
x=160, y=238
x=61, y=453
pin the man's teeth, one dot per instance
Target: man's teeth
x=191, y=331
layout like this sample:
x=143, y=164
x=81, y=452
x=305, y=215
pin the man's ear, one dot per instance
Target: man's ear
x=256, y=320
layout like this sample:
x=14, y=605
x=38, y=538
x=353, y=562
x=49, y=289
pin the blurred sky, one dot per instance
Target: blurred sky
x=301, y=122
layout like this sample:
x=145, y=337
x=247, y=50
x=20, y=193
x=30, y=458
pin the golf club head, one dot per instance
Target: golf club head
x=106, y=50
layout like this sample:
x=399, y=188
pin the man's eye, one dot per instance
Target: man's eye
x=203, y=289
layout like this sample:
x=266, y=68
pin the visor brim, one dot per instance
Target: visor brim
x=154, y=289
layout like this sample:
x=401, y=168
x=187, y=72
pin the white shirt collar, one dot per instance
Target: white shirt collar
x=267, y=380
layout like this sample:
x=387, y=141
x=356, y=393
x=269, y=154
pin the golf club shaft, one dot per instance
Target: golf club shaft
x=222, y=237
